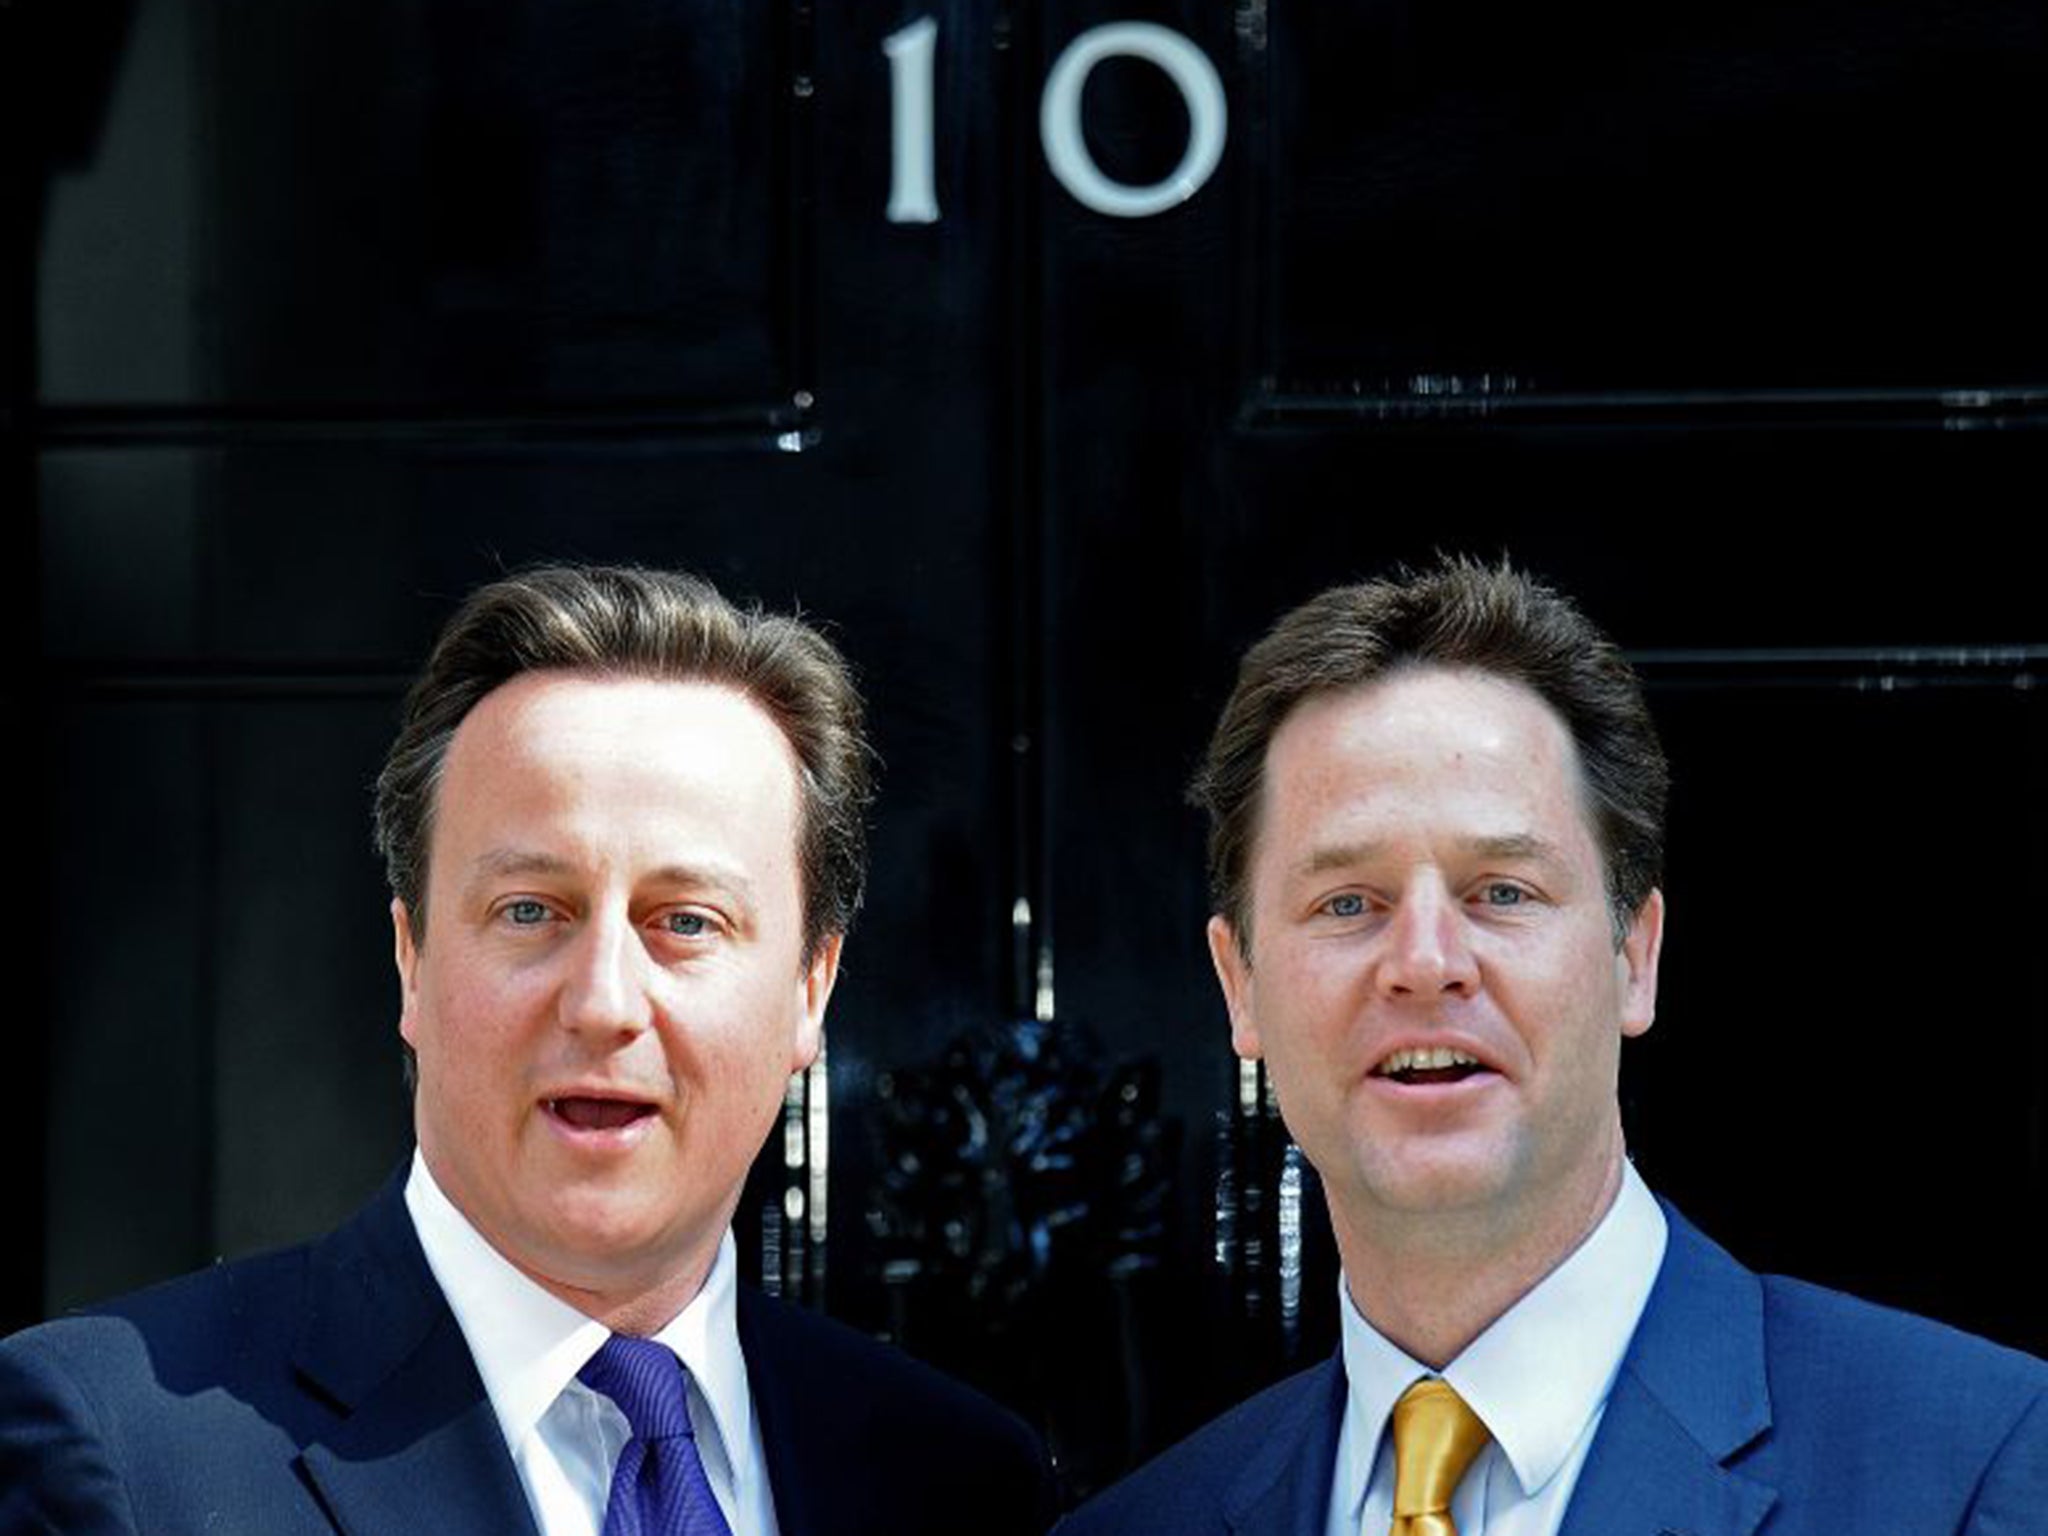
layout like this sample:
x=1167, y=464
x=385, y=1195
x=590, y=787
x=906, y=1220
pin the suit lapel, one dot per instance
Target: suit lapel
x=821, y=1486
x=418, y=1447
x=1691, y=1395
x=1284, y=1489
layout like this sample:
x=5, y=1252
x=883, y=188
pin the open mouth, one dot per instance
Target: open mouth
x=591, y=1114
x=1429, y=1065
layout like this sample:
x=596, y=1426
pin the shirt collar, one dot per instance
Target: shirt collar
x=1543, y=1369
x=529, y=1345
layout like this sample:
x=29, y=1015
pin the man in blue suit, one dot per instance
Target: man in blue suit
x=1436, y=821
x=623, y=826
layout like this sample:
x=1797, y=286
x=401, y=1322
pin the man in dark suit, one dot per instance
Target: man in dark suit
x=1436, y=813
x=630, y=815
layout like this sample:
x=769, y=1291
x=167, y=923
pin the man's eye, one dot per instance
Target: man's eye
x=1350, y=904
x=685, y=925
x=1502, y=893
x=525, y=914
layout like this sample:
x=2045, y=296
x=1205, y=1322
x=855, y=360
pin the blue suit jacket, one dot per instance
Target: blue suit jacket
x=1746, y=1406
x=328, y=1388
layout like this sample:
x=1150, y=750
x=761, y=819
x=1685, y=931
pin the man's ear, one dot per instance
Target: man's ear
x=814, y=992
x=1637, y=963
x=407, y=956
x=1234, y=975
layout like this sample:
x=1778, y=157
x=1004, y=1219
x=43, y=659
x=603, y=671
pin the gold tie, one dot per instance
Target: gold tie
x=1435, y=1438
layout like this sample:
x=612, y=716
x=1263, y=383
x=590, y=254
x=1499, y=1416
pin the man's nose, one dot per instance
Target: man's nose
x=1427, y=951
x=606, y=989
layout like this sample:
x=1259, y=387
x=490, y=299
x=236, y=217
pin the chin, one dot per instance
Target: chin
x=604, y=1258
x=599, y=1221
x=1436, y=1185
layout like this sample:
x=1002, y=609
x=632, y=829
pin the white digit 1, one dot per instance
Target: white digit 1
x=1059, y=117
x=912, y=199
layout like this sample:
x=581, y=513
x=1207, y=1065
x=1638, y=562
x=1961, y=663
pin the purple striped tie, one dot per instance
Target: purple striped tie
x=658, y=1487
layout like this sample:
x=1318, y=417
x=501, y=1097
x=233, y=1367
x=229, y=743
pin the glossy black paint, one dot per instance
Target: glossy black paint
x=1722, y=318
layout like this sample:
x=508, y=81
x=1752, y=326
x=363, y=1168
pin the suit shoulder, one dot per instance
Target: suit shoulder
x=1937, y=1417
x=102, y=1410
x=196, y=1324
x=829, y=1355
x=816, y=1380
x=1817, y=1330
x=1183, y=1486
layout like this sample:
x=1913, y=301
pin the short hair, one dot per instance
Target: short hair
x=627, y=621
x=1458, y=614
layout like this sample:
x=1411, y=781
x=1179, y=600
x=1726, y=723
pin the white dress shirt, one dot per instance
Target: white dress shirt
x=1539, y=1378
x=565, y=1438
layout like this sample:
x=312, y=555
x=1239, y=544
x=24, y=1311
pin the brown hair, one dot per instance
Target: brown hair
x=629, y=621
x=1458, y=614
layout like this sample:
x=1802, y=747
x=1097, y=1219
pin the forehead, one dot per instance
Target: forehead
x=604, y=752
x=1424, y=749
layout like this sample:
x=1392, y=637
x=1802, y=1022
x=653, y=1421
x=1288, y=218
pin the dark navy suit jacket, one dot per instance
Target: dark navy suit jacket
x=328, y=1388
x=1746, y=1406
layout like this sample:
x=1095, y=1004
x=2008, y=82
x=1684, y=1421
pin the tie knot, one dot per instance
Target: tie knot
x=1435, y=1438
x=648, y=1383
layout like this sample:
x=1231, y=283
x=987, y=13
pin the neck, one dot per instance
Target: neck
x=636, y=1312
x=1432, y=1282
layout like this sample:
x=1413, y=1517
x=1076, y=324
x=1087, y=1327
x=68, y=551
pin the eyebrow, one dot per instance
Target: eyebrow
x=1507, y=845
x=502, y=863
x=1516, y=845
x=517, y=861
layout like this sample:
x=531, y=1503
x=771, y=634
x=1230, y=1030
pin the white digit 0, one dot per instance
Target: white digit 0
x=1059, y=117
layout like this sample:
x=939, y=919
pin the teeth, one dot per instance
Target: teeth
x=1429, y=1058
